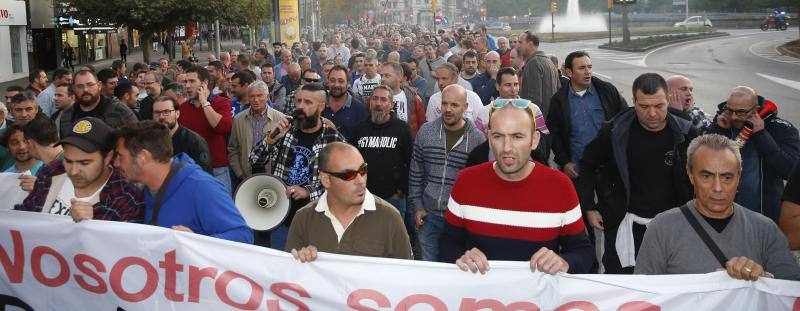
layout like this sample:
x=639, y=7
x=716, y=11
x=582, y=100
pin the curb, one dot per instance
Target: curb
x=783, y=50
x=658, y=45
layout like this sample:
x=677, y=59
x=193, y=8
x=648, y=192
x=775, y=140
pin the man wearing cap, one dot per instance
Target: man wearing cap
x=178, y=194
x=84, y=185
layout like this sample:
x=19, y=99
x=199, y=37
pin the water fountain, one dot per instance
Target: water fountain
x=574, y=21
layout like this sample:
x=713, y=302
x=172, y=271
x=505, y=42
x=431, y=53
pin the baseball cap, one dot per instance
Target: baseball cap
x=90, y=134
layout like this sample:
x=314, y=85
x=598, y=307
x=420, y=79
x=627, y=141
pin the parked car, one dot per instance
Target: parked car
x=695, y=21
x=498, y=26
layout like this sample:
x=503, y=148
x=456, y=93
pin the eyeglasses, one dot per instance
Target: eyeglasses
x=741, y=112
x=350, y=175
x=517, y=102
x=310, y=80
x=163, y=113
x=82, y=87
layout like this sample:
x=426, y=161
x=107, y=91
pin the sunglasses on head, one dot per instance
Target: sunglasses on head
x=517, y=102
x=350, y=175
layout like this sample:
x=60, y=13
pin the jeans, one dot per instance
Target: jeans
x=277, y=238
x=429, y=236
x=223, y=175
x=400, y=205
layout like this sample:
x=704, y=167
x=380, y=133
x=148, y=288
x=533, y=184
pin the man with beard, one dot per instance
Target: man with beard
x=239, y=82
x=14, y=140
x=83, y=184
x=469, y=70
x=408, y=106
x=89, y=103
x=152, y=84
x=178, y=194
x=347, y=219
x=45, y=98
x=293, y=153
x=508, y=225
x=343, y=109
x=166, y=111
x=385, y=142
x=440, y=152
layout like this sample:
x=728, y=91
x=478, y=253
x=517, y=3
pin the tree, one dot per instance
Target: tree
x=153, y=16
x=336, y=11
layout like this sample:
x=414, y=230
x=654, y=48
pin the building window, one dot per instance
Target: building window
x=16, y=48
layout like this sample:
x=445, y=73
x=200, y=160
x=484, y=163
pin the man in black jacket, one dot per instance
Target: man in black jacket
x=166, y=110
x=637, y=167
x=578, y=110
x=386, y=143
x=90, y=103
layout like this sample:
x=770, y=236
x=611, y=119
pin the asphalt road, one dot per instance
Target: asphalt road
x=746, y=57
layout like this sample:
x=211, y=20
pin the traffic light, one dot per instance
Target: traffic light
x=483, y=11
x=553, y=7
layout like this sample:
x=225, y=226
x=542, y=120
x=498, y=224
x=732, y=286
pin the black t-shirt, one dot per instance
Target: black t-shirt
x=650, y=160
x=718, y=224
x=302, y=156
x=792, y=191
x=97, y=112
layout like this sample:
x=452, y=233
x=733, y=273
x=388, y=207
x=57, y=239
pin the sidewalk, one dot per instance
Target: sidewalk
x=134, y=57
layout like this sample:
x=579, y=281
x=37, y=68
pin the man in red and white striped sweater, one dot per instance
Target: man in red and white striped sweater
x=514, y=208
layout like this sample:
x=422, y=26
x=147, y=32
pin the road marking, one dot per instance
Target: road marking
x=790, y=83
x=602, y=76
x=769, y=50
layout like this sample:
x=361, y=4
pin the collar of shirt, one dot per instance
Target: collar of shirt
x=589, y=90
x=262, y=114
x=322, y=207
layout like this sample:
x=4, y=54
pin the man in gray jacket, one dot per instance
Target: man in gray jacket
x=539, y=76
x=750, y=245
x=440, y=152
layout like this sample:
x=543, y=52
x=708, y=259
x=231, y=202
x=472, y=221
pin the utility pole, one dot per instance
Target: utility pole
x=610, y=6
x=217, y=34
x=553, y=10
x=626, y=33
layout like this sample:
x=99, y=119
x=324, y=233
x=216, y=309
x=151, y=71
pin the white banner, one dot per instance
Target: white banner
x=51, y=263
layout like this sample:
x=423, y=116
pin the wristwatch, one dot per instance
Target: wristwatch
x=206, y=104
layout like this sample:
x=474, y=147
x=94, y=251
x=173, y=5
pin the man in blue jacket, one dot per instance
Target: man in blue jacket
x=178, y=194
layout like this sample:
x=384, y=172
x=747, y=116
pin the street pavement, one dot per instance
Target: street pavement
x=746, y=57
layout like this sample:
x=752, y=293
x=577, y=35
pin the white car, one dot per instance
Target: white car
x=695, y=21
x=499, y=26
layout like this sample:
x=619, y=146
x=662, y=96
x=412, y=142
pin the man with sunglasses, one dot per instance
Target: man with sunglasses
x=532, y=215
x=292, y=153
x=347, y=219
x=769, y=154
x=636, y=166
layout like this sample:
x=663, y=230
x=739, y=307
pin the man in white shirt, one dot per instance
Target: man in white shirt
x=447, y=74
x=363, y=86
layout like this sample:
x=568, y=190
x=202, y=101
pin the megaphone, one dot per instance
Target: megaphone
x=262, y=201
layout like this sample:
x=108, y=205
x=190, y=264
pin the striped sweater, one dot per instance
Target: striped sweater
x=512, y=220
x=433, y=171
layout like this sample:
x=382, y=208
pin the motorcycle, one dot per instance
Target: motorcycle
x=773, y=24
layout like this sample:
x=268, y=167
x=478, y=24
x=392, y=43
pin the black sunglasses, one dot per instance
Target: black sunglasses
x=350, y=175
x=309, y=80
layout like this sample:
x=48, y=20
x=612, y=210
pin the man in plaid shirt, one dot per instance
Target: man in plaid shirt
x=84, y=182
x=293, y=153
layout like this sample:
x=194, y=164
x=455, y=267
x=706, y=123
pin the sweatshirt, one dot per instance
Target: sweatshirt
x=387, y=150
x=198, y=201
x=433, y=169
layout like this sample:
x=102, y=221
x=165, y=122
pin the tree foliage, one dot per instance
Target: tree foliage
x=153, y=16
x=336, y=11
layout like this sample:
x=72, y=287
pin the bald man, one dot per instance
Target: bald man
x=347, y=219
x=768, y=156
x=680, y=97
x=292, y=78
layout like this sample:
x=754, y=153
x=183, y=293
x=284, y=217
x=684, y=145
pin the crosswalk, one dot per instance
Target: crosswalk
x=769, y=49
x=631, y=58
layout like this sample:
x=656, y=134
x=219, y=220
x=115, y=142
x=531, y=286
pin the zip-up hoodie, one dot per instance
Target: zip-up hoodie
x=198, y=201
x=434, y=171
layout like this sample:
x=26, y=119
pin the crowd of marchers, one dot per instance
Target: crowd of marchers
x=452, y=146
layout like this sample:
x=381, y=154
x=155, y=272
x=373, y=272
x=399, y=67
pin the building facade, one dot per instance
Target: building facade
x=13, y=40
